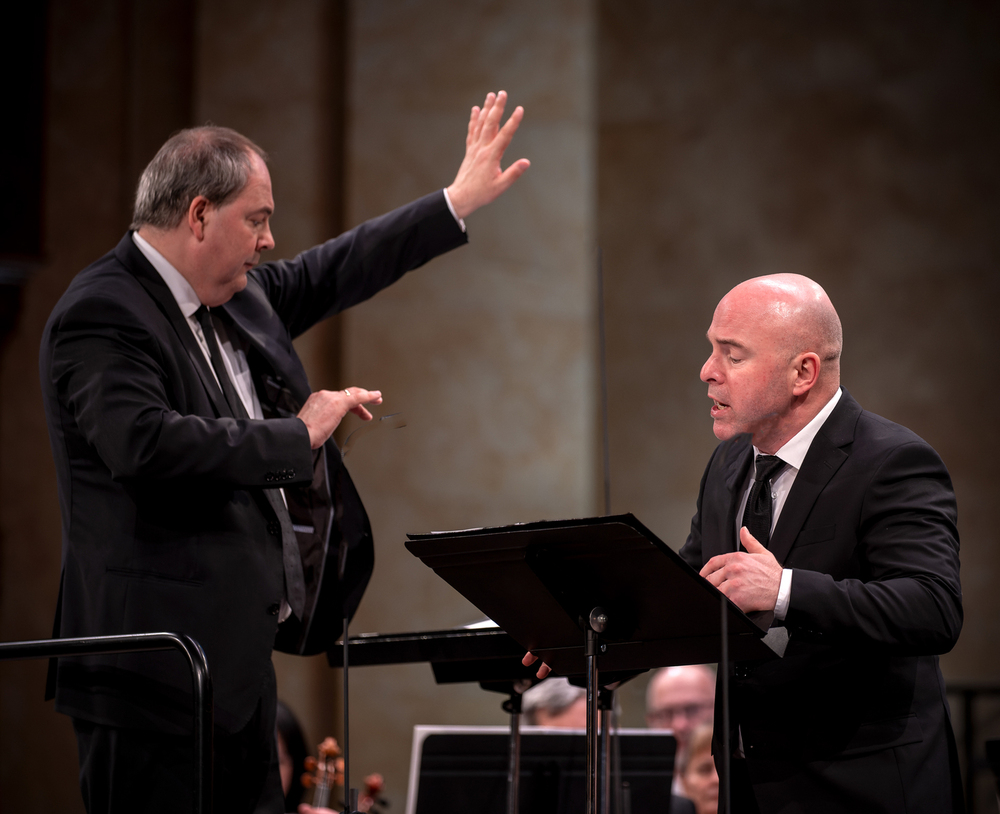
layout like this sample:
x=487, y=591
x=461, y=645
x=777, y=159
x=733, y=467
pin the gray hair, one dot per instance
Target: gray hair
x=552, y=695
x=209, y=161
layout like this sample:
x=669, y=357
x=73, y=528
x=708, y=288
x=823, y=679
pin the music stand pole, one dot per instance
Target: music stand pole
x=597, y=623
x=350, y=795
x=513, y=706
x=606, y=701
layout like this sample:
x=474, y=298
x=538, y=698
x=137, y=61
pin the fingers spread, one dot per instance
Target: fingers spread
x=484, y=115
x=480, y=178
x=511, y=174
x=510, y=127
x=473, y=121
x=496, y=111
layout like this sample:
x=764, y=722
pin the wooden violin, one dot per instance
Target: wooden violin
x=326, y=771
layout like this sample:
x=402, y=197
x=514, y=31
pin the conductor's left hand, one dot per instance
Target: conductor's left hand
x=480, y=179
x=749, y=578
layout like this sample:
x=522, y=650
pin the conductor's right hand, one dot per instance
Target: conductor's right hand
x=531, y=658
x=325, y=409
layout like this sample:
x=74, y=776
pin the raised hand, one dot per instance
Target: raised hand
x=480, y=179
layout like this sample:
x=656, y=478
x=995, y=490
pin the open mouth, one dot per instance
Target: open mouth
x=718, y=407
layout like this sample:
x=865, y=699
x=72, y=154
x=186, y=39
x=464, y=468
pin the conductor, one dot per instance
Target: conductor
x=199, y=487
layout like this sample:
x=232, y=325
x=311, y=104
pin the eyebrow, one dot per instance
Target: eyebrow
x=733, y=343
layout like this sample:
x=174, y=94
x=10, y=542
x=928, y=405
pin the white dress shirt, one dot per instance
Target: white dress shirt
x=793, y=453
x=233, y=352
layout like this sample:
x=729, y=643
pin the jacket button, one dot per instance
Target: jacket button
x=274, y=528
x=290, y=473
x=273, y=609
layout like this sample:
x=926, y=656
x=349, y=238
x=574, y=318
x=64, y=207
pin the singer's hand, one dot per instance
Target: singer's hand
x=749, y=578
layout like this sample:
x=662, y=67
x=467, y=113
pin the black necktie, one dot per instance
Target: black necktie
x=211, y=339
x=757, y=515
x=295, y=591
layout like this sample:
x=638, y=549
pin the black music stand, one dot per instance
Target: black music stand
x=604, y=589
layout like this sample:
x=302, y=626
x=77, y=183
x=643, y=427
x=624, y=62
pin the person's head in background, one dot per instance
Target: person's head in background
x=555, y=702
x=291, y=756
x=696, y=768
x=680, y=699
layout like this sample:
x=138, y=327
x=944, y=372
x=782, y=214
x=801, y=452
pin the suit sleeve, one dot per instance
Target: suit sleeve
x=118, y=384
x=353, y=267
x=899, y=586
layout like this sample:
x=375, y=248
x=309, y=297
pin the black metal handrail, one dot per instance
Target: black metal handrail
x=201, y=683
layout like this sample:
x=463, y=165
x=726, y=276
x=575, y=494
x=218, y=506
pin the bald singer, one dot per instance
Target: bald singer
x=843, y=524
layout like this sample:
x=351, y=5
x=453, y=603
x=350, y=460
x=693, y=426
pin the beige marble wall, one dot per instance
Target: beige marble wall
x=489, y=351
x=270, y=72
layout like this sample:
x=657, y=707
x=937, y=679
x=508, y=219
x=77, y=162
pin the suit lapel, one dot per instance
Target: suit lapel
x=825, y=456
x=287, y=388
x=136, y=262
x=737, y=469
x=283, y=388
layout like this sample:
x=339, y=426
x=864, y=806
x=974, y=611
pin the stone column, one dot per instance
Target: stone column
x=488, y=351
x=273, y=72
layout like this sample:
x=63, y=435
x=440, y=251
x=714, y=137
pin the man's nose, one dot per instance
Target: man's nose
x=708, y=370
x=265, y=241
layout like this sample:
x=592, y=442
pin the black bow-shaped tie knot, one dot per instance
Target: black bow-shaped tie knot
x=757, y=516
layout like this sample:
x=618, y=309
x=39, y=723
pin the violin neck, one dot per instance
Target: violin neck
x=321, y=796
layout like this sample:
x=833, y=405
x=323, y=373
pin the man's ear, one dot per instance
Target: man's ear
x=806, y=368
x=197, y=215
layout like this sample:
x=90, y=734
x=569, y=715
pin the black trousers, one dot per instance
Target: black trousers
x=131, y=770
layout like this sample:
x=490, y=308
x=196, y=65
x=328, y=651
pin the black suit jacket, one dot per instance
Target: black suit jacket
x=854, y=717
x=165, y=522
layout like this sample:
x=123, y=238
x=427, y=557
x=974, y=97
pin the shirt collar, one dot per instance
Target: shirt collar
x=182, y=290
x=794, y=451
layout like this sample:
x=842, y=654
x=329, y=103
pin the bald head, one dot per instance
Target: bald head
x=776, y=345
x=796, y=310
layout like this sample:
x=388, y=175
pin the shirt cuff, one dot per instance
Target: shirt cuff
x=784, y=595
x=447, y=200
